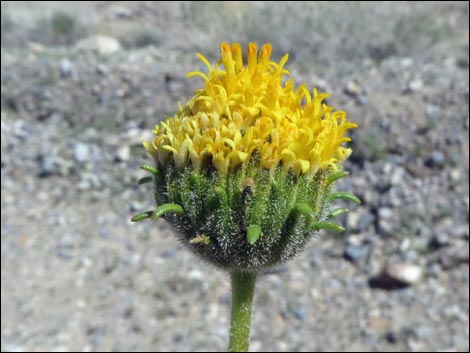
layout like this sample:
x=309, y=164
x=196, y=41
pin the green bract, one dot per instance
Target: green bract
x=249, y=219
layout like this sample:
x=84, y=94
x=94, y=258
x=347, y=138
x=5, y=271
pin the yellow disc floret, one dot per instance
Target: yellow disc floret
x=247, y=108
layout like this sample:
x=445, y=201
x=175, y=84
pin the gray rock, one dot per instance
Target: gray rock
x=445, y=233
x=439, y=240
x=355, y=253
x=352, y=88
x=386, y=224
x=13, y=347
x=365, y=220
x=47, y=166
x=460, y=231
x=122, y=12
x=317, y=260
x=392, y=337
x=395, y=197
x=406, y=334
x=196, y=275
x=169, y=253
x=385, y=213
x=406, y=62
x=397, y=176
x=65, y=68
x=370, y=197
x=88, y=181
x=436, y=159
x=358, y=221
x=102, y=69
x=353, y=220
x=21, y=129
x=300, y=313
x=123, y=153
x=322, y=85
x=415, y=85
x=422, y=332
x=455, y=255
x=104, y=233
x=455, y=175
x=384, y=199
x=362, y=100
x=81, y=152
x=136, y=206
x=66, y=247
x=432, y=114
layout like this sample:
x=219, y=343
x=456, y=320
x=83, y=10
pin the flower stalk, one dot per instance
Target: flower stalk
x=243, y=287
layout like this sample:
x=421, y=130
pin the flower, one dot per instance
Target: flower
x=248, y=108
x=245, y=169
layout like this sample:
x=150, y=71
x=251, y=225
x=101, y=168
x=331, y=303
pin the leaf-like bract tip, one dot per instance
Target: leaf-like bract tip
x=144, y=180
x=167, y=208
x=342, y=195
x=141, y=216
x=253, y=233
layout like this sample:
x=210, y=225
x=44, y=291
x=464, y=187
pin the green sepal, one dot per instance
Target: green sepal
x=144, y=180
x=196, y=181
x=304, y=209
x=326, y=225
x=246, y=220
x=141, y=216
x=150, y=169
x=335, y=176
x=252, y=233
x=221, y=195
x=342, y=195
x=167, y=208
x=337, y=212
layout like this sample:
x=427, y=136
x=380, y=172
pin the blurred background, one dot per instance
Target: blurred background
x=83, y=83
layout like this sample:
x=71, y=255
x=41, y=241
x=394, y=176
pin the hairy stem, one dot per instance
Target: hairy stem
x=243, y=286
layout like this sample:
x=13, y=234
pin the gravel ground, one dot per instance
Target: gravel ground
x=76, y=275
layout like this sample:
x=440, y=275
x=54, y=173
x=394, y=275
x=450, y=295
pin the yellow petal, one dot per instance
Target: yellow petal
x=241, y=108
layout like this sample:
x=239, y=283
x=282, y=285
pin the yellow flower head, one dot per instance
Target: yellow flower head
x=250, y=107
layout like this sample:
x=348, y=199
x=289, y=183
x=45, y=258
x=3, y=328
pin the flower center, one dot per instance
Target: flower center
x=246, y=108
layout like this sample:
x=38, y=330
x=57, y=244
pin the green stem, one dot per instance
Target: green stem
x=243, y=286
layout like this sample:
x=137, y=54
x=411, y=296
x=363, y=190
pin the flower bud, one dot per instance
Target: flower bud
x=244, y=170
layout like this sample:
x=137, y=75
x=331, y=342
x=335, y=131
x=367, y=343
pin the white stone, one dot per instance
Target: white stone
x=405, y=273
x=103, y=45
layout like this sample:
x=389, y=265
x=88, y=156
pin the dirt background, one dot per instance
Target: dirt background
x=82, y=83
